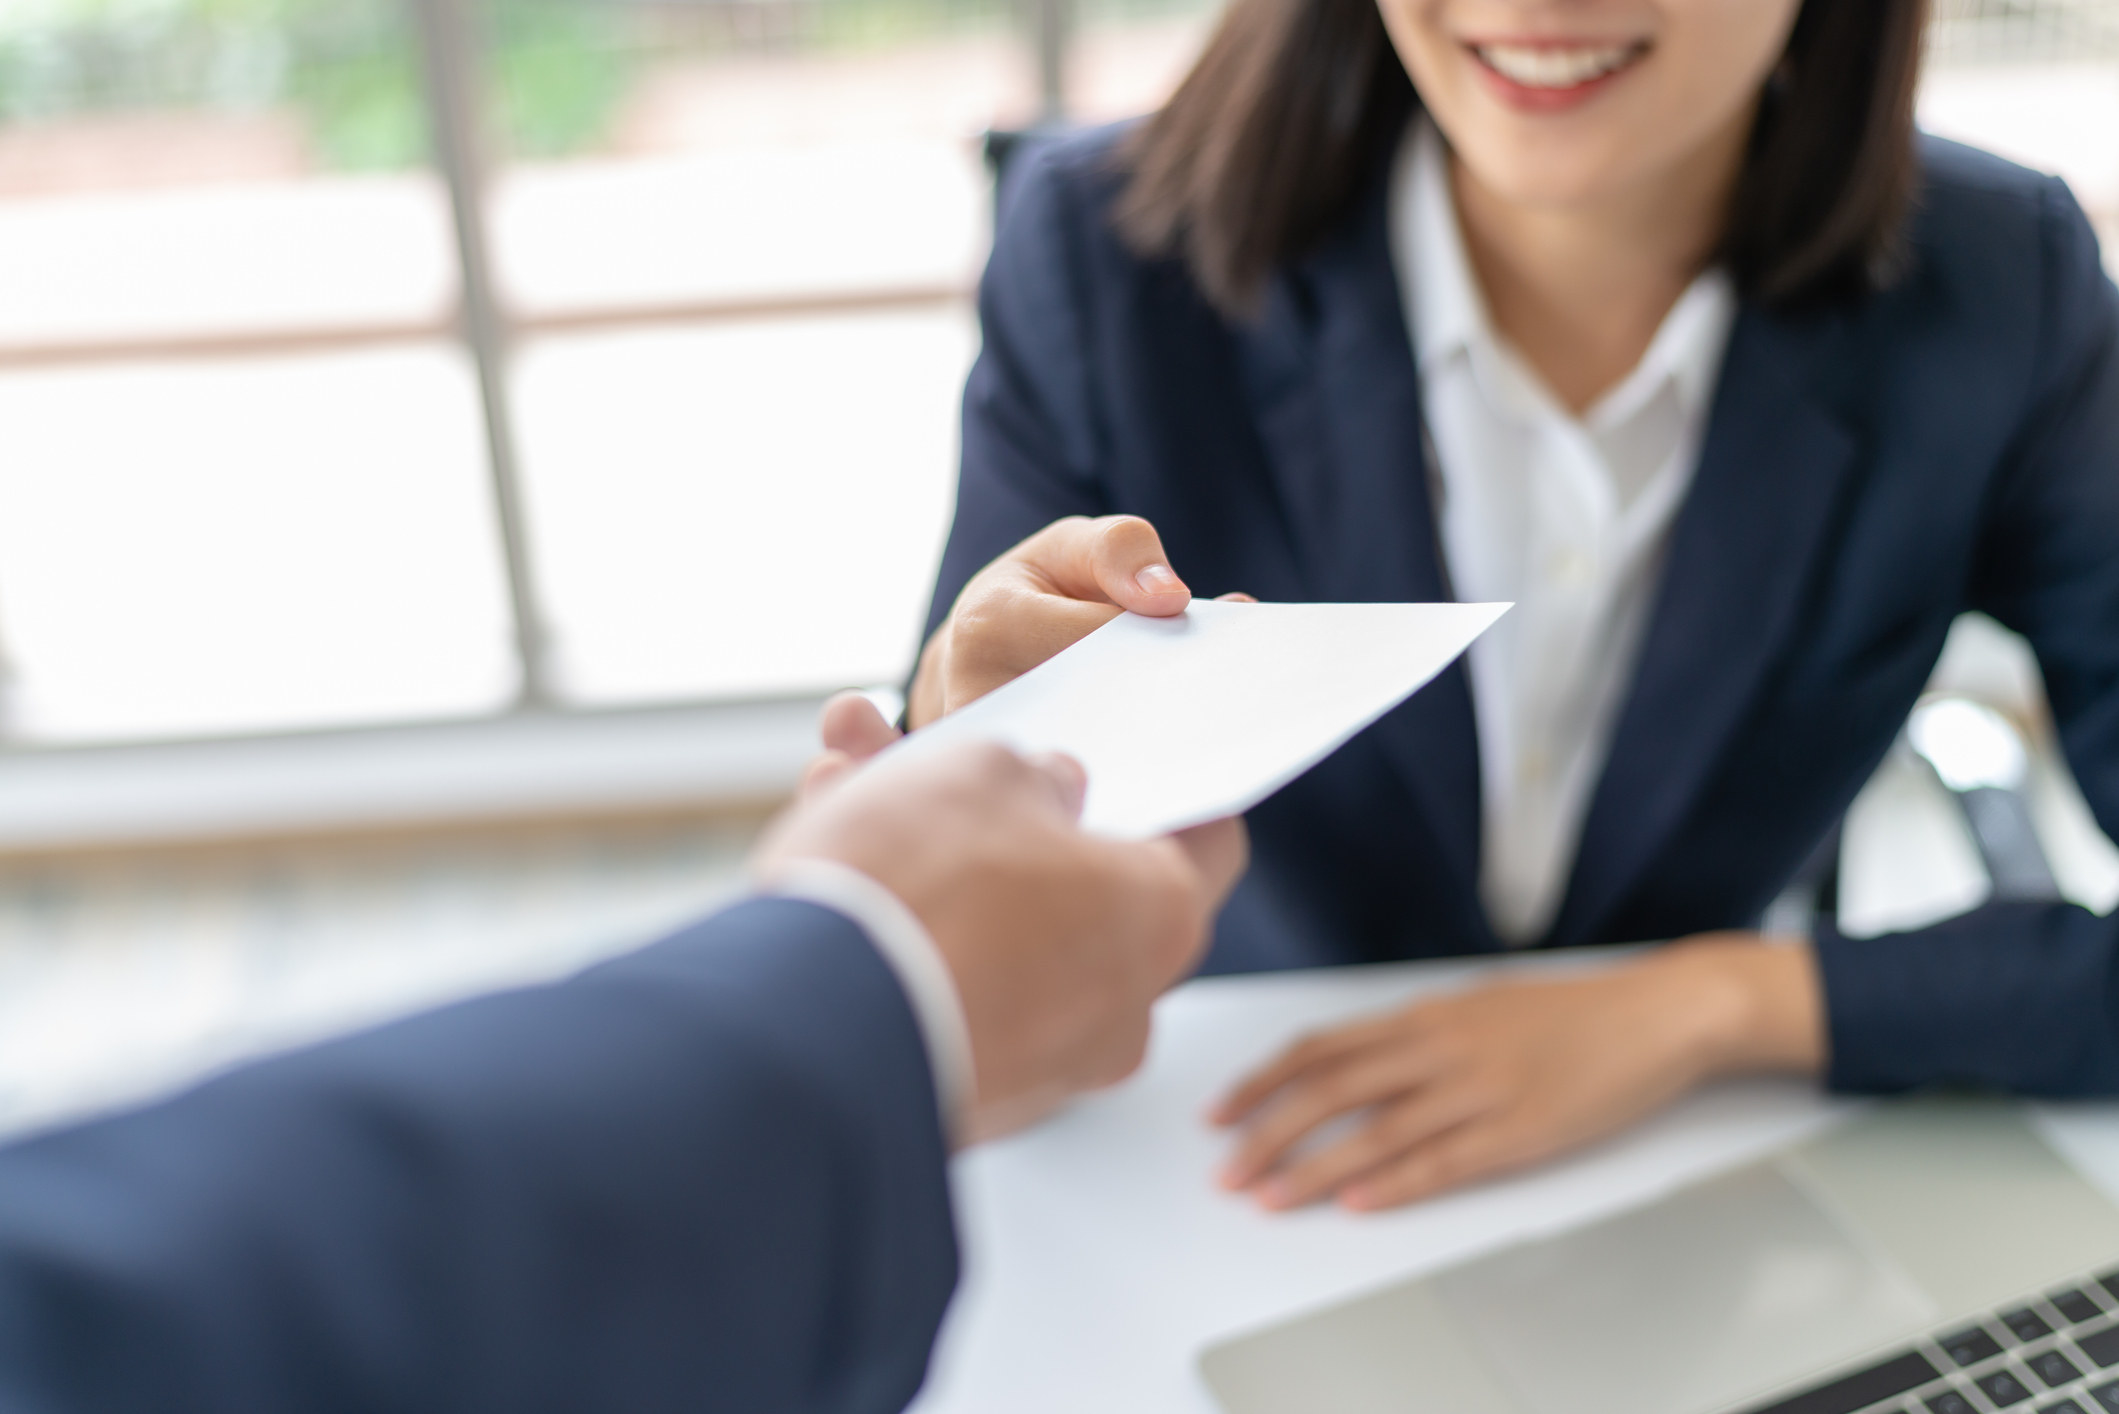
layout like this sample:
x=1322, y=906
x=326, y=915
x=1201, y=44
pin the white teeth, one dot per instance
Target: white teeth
x=1550, y=66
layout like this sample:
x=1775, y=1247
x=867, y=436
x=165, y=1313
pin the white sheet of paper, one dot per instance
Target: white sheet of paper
x=1183, y=720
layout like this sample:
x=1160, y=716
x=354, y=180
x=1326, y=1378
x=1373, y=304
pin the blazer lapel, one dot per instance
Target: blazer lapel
x=1336, y=397
x=1771, y=469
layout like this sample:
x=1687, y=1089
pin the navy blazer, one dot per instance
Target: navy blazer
x=705, y=1177
x=1869, y=471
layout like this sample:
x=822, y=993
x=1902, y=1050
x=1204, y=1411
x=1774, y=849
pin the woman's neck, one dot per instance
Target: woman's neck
x=1580, y=290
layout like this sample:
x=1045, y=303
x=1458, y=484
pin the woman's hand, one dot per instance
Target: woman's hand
x=1462, y=1087
x=1057, y=587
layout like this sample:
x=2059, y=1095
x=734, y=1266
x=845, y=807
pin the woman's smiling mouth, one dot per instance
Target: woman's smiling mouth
x=1548, y=75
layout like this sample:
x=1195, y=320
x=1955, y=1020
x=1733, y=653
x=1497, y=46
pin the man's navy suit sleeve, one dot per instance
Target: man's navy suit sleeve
x=708, y=1176
x=2021, y=995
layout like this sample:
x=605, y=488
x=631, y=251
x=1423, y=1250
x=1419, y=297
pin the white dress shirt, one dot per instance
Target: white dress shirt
x=910, y=951
x=1567, y=516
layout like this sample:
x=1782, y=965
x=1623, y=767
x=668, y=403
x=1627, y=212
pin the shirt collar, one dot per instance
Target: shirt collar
x=1687, y=349
x=1447, y=309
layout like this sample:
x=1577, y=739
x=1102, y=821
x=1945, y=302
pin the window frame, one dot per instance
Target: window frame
x=452, y=72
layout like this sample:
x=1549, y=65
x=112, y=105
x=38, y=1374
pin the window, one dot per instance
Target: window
x=643, y=391
x=243, y=484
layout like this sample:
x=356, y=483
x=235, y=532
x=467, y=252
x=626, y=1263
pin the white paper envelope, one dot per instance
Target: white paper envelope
x=1184, y=720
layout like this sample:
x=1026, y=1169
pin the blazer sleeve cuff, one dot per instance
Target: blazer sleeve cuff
x=2014, y=995
x=910, y=950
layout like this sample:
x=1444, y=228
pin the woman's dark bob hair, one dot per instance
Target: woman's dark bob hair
x=1265, y=145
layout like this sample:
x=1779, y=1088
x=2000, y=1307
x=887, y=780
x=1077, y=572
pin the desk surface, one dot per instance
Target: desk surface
x=1100, y=1257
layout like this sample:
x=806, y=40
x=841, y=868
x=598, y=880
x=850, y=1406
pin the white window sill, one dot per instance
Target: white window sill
x=551, y=764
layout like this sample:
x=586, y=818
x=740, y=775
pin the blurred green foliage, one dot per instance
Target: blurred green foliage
x=556, y=70
x=348, y=65
x=351, y=68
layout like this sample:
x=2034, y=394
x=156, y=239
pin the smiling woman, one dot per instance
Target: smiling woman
x=1274, y=134
x=1624, y=311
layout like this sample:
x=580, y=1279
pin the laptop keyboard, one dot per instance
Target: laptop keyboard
x=2055, y=1353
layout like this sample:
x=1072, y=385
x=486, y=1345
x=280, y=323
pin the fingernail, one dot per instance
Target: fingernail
x=1275, y=1193
x=1159, y=579
x=1356, y=1199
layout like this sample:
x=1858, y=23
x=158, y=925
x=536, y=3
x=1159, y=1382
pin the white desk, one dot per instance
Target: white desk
x=1100, y=1257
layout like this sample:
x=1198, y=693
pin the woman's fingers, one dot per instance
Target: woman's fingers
x=1009, y=627
x=1397, y=1130
x=1478, y=1149
x=1117, y=559
x=1050, y=591
x=1313, y=1052
x=1367, y=1078
x=1255, y=1089
x=1461, y=1088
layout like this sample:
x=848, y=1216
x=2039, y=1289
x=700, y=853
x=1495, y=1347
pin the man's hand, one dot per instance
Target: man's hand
x=1456, y=1089
x=852, y=731
x=1059, y=942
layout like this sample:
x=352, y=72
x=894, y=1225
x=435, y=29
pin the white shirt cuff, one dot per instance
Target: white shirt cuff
x=910, y=951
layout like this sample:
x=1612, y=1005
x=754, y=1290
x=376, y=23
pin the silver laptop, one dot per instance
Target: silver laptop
x=1931, y=1257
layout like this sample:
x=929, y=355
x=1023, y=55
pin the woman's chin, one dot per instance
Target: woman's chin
x=1552, y=170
